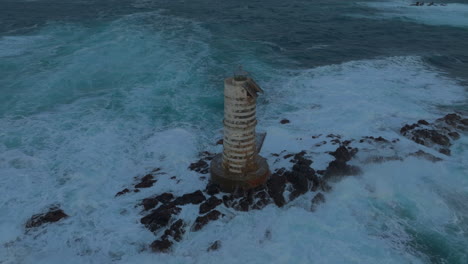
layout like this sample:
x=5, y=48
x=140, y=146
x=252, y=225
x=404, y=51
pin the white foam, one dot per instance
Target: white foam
x=451, y=14
x=78, y=143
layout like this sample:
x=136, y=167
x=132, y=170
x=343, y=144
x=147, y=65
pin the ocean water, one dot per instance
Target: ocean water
x=95, y=92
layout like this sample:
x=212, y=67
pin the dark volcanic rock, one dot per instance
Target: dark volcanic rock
x=193, y=198
x=422, y=136
x=299, y=183
x=451, y=119
x=146, y=182
x=445, y=151
x=200, y=166
x=285, y=121
x=201, y=221
x=161, y=245
x=176, y=231
x=454, y=135
x=318, y=199
x=339, y=167
x=209, y=204
x=150, y=203
x=160, y=217
x=438, y=134
x=53, y=215
x=423, y=122
x=215, y=246
x=124, y=191
x=275, y=187
x=212, y=189
x=342, y=154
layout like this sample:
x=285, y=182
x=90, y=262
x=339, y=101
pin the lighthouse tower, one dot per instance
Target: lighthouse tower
x=239, y=166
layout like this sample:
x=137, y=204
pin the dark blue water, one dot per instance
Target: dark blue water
x=85, y=86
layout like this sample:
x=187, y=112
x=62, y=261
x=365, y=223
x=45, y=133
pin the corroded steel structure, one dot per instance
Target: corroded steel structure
x=239, y=166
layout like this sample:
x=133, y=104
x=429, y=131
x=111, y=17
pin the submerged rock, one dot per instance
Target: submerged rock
x=425, y=155
x=53, y=215
x=319, y=198
x=215, y=246
x=122, y=192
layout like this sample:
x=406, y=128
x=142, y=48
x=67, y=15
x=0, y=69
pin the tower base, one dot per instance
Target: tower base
x=230, y=182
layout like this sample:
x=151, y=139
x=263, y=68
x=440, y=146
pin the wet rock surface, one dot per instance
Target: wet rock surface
x=176, y=231
x=287, y=183
x=146, y=182
x=438, y=134
x=160, y=217
x=339, y=167
x=209, y=204
x=161, y=245
x=201, y=221
x=190, y=198
x=53, y=215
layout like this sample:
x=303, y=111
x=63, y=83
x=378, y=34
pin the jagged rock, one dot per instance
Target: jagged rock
x=454, y=135
x=160, y=217
x=423, y=154
x=318, y=199
x=150, y=203
x=161, y=245
x=146, y=182
x=275, y=187
x=200, y=166
x=422, y=136
x=261, y=199
x=423, y=122
x=339, y=168
x=445, y=151
x=122, y=192
x=299, y=183
x=215, y=246
x=176, y=231
x=323, y=185
x=193, y=198
x=451, y=119
x=212, y=189
x=201, y=221
x=285, y=121
x=53, y=215
x=209, y=204
x=342, y=154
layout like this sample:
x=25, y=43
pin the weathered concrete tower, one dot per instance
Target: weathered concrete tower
x=239, y=166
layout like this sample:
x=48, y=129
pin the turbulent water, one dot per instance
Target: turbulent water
x=95, y=92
